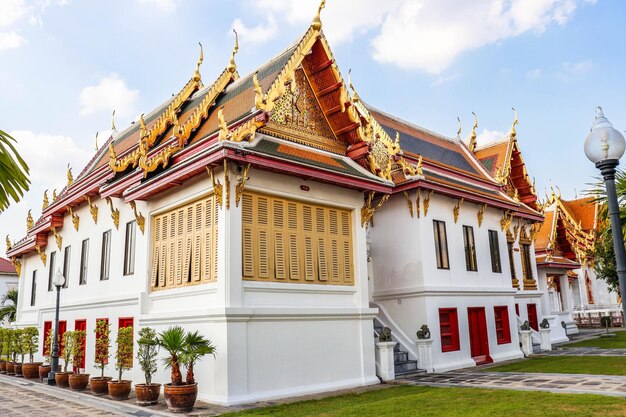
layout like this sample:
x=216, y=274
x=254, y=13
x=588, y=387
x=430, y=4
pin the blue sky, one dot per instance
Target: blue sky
x=65, y=64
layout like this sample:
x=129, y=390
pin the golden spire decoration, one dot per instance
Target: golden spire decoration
x=472, y=141
x=196, y=73
x=29, y=221
x=232, y=66
x=9, y=244
x=513, y=131
x=46, y=202
x=97, y=147
x=460, y=128
x=142, y=126
x=223, y=135
x=54, y=195
x=317, y=21
x=70, y=177
x=113, y=121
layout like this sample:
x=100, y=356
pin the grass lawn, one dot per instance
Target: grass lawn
x=616, y=342
x=595, y=365
x=454, y=402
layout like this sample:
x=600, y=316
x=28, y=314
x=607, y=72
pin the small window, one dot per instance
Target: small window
x=503, y=329
x=449, y=329
x=66, y=265
x=105, y=260
x=441, y=244
x=494, y=248
x=470, y=248
x=122, y=323
x=84, y=261
x=47, y=328
x=531, y=310
x=52, y=261
x=509, y=246
x=33, y=289
x=129, y=248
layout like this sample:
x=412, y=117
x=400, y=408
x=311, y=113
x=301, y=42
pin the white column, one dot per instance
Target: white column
x=424, y=354
x=384, y=361
x=544, y=334
x=527, y=344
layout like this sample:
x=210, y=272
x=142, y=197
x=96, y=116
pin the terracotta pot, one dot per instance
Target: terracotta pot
x=147, y=394
x=62, y=379
x=44, y=370
x=180, y=398
x=3, y=367
x=100, y=385
x=10, y=368
x=18, y=369
x=78, y=382
x=31, y=370
x=119, y=390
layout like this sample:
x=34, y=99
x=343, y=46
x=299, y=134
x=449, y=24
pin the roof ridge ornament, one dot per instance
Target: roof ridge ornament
x=113, y=129
x=472, y=141
x=317, y=21
x=459, y=127
x=97, y=147
x=515, y=122
x=196, y=74
x=70, y=177
x=232, y=66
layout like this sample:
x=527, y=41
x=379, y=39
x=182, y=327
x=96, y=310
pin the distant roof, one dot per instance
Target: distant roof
x=6, y=267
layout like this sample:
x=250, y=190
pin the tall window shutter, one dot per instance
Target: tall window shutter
x=197, y=243
x=263, y=262
x=162, y=266
x=280, y=266
x=215, y=237
x=246, y=216
x=294, y=252
x=309, y=256
x=208, y=239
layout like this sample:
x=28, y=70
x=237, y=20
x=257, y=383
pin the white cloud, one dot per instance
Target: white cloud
x=574, y=71
x=166, y=6
x=111, y=93
x=257, y=34
x=11, y=11
x=10, y=40
x=534, y=74
x=489, y=136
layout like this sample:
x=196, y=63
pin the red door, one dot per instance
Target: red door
x=479, y=341
x=532, y=316
x=47, y=328
x=62, y=330
x=82, y=325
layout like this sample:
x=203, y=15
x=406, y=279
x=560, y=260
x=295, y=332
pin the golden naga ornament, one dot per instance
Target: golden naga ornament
x=227, y=184
x=456, y=209
x=93, y=209
x=217, y=187
x=17, y=264
x=481, y=213
x=75, y=218
x=54, y=195
x=57, y=237
x=9, y=244
x=115, y=213
x=232, y=66
x=427, y=202
x=196, y=73
x=223, y=134
x=46, y=202
x=473, y=136
x=367, y=211
x=409, y=203
x=141, y=221
x=506, y=220
x=29, y=221
x=241, y=183
x=70, y=176
x=42, y=254
x=317, y=21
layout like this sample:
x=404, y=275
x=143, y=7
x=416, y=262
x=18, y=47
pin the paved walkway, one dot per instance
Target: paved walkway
x=584, y=351
x=560, y=383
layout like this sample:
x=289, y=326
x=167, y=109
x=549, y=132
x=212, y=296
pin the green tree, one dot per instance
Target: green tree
x=103, y=344
x=9, y=305
x=13, y=172
x=604, y=257
x=68, y=348
x=196, y=346
x=124, y=351
x=78, y=341
x=147, y=352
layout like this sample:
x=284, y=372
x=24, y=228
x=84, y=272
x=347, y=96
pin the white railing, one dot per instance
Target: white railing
x=405, y=341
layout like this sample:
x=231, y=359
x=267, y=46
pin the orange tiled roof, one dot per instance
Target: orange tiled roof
x=492, y=156
x=542, y=240
x=582, y=210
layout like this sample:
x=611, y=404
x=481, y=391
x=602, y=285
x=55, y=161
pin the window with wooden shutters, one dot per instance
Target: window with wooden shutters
x=290, y=241
x=449, y=329
x=184, y=248
x=503, y=329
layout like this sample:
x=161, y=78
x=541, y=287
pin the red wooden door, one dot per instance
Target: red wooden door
x=62, y=330
x=82, y=325
x=47, y=328
x=532, y=316
x=479, y=341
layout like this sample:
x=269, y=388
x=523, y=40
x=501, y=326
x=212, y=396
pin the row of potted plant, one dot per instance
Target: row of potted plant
x=183, y=349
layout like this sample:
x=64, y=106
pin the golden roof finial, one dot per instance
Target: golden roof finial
x=113, y=122
x=317, y=21
x=9, y=244
x=29, y=221
x=472, y=141
x=513, y=131
x=46, y=202
x=70, y=177
x=142, y=126
x=196, y=73
x=97, y=147
x=54, y=195
x=460, y=128
x=232, y=66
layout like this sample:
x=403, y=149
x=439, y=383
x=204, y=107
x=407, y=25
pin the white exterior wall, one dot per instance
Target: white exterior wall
x=273, y=339
x=411, y=289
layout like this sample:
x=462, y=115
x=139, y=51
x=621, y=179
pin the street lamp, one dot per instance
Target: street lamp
x=58, y=280
x=604, y=146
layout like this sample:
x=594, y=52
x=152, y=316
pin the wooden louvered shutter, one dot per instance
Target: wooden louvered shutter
x=186, y=275
x=247, y=232
x=262, y=237
x=346, y=244
x=155, y=253
x=180, y=229
x=334, y=255
x=163, y=258
x=293, y=241
x=209, y=214
x=198, y=249
x=322, y=250
x=280, y=256
x=171, y=250
x=215, y=229
x=309, y=257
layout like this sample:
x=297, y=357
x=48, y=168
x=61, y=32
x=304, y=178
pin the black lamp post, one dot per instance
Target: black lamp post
x=58, y=280
x=604, y=146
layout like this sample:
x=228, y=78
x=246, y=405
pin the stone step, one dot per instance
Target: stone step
x=410, y=374
x=401, y=367
x=400, y=356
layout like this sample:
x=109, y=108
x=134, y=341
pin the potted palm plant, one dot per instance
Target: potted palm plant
x=148, y=393
x=119, y=390
x=9, y=350
x=3, y=362
x=99, y=384
x=62, y=378
x=44, y=369
x=18, y=343
x=30, y=339
x=186, y=349
x=78, y=381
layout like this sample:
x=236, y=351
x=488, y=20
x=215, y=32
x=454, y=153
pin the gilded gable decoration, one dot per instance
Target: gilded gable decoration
x=418, y=202
x=46, y=203
x=57, y=237
x=115, y=213
x=42, y=254
x=506, y=220
x=367, y=211
x=427, y=202
x=75, y=218
x=242, y=177
x=141, y=221
x=481, y=213
x=93, y=209
x=408, y=202
x=218, y=189
x=29, y=221
x=456, y=209
x=17, y=264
